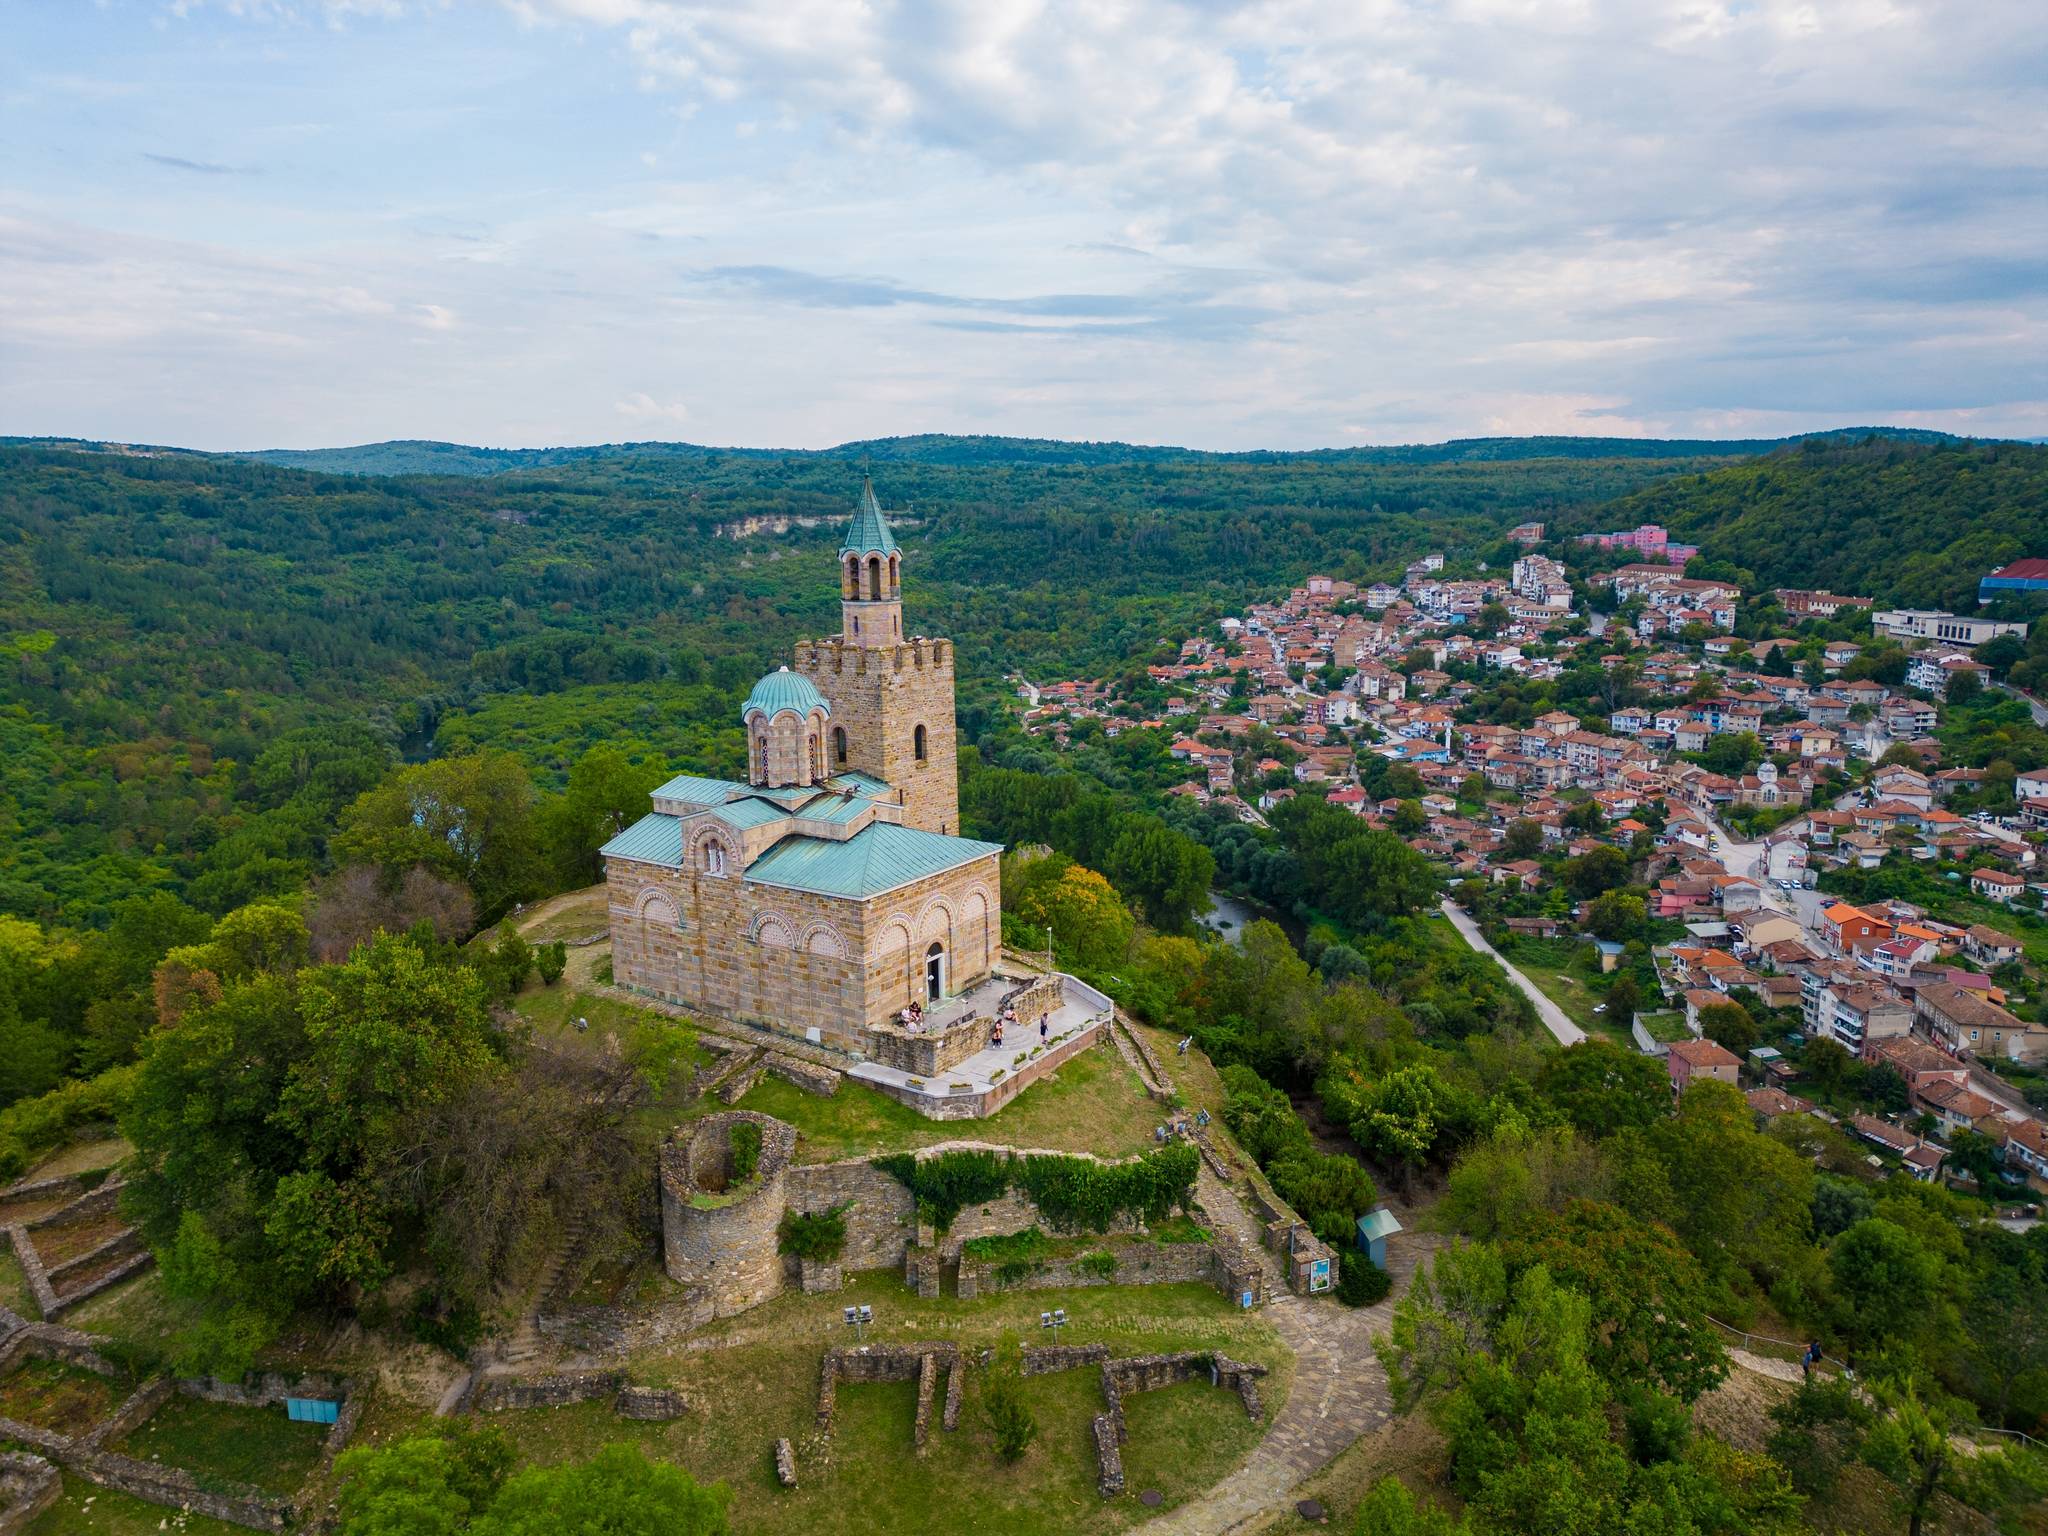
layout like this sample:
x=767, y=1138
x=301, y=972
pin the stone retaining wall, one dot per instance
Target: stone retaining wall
x=785, y=1463
x=1040, y=1359
x=1109, y=1456
x=1136, y=1264
x=502, y=1394
x=50, y=1341
x=28, y=1486
x=868, y=1363
x=658, y=1404
x=820, y=1081
x=33, y=1272
x=86, y=1207
x=175, y=1488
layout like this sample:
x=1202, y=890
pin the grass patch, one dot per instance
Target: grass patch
x=1094, y=1103
x=759, y=1382
x=53, y=1395
x=14, y=1292
x=1666, y=1028
x=68, y=1240
x=222, y=1443
x=82, y=1157
x=85, y=1510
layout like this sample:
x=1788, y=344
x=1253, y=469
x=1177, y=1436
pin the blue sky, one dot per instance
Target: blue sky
x=1297, y=223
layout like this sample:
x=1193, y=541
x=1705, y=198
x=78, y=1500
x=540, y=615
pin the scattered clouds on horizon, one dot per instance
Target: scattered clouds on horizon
x=1274, y=223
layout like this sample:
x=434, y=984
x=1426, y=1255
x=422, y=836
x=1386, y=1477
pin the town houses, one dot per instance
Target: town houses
x=1671, y=716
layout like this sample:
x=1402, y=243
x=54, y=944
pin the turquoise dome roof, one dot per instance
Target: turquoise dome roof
x=782, y=690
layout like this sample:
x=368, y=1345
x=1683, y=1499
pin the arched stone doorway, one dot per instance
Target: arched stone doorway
x=935, y=973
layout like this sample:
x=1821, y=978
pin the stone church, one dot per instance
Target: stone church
x=831, y=889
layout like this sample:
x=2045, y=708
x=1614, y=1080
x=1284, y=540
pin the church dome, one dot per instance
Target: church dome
x=784, y=691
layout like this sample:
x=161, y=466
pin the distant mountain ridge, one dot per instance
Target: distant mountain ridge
x=415, y=456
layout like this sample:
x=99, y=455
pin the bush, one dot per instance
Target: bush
x=1003, y=1408
x=31, y=1127
x=1102, y=1264
x=746, y=1150
x=550, y=960
x=447, y=1324
x=819, y=1236
x=1360, y=1282
x=1073, y=1193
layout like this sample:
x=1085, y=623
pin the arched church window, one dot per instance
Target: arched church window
x=918, y=740
x=839, y=745
x=714, y=857
x=875, y=579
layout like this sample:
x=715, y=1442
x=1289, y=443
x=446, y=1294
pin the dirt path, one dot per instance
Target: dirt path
x=1339, y=1391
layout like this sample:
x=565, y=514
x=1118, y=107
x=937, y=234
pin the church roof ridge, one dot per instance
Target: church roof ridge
x=868, y=532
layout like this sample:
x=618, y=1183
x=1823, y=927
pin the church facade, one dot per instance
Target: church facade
x=831, y=889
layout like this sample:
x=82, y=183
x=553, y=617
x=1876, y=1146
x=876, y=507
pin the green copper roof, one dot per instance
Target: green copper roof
x=875, y=859
x=654, y=839
x=868, y=533
x=865, y=785
x=782, y=690
x=748, y=812
x=694, y=789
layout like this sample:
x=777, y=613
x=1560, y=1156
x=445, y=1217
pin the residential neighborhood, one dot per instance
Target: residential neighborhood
x=1741, y=759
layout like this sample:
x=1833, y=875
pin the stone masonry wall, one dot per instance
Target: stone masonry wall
x=724, y=1243
x=880, y=695
x=28, y=1486
x=1136, y=1264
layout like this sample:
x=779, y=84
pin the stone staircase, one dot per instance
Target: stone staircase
x=525, y=1344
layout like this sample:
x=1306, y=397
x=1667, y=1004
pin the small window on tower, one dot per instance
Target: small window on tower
x=839, y=745
x=919, y=740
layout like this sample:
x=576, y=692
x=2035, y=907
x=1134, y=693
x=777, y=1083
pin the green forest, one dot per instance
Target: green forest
x=1909, y=522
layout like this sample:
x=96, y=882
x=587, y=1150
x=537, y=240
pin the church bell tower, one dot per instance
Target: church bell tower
x=891, y=695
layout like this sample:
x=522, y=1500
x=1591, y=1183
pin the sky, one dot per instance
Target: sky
x=1291, y=224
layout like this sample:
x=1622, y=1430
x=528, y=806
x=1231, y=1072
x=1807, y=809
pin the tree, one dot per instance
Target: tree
x=1739, y=1198
x=1167, y=873
x=1087, y=917
x=1732, y=753
x=1729, y=1026
x=1003, y=1409
x=1389, y=1509
x=618, y=1492
x=1886, y=1280
x=1648, y=1292
x=1507, y=1181
x=1617, y=916
x=1910, y=1447
x=1596, y=870
x=1601, y=1088
x=607, y=792
x=470, y=819
x=1827, y=1061
x=1409, y=818
x=355, y=904
x=1401, y=1119
x=1962, y=688
x=1624, y=998
x=1524, y=840
x=424, y=1485
x=551, y=960
x=1816, y=1431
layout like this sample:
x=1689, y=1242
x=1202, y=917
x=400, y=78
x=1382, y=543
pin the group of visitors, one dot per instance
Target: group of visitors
x=913, y=1017
x=1008, y=1019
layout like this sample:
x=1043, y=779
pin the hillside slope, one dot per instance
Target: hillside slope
x=419, y=457
x=1902, y=522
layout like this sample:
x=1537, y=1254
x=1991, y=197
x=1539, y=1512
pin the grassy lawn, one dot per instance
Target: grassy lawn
x=1569, y=975
x=136, y=1313
x=52, y=1395
x=761, y=1384
x=88, y=1511
x=14, y=1293
x=68, y=1240
x=1092, y=1104
x=227, y=1443
x=82, y=1157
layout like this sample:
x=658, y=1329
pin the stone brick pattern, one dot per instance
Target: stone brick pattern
x=28, y=1486
x=819, y=1082
x=835, y=965
x=1041, y=1359
x=1136, y=1264
x=785, y=1463
x=920, y=1363
x=880, y=695
x=505, y=1394
x=724, y=1242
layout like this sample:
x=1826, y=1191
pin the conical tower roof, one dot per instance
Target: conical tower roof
x=868, y=533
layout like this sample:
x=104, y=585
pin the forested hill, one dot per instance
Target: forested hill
x=413, y=457
x=170, y=622
x=1903, y=522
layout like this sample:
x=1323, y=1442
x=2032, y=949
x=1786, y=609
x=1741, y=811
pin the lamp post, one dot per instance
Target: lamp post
x=1053, y=1322
x=857, y=1318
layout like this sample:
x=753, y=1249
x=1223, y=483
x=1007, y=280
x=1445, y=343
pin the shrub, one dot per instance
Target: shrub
x=1072, y=1193
x=816, y=1235
x=1003, y=1408
x=31, y=1127
x=746, y=1150
x=1102, y=1264
x=1360, y=1282
x=550, y=960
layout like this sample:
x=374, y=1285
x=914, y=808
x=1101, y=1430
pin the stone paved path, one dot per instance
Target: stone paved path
x=1339, y=1391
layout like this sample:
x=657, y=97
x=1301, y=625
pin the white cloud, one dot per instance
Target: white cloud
x=1228, y=222
x=643, y=409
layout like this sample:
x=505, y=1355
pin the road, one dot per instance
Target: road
x=1554, y=1018
x=2034, y=705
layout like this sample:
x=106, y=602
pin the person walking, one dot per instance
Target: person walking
x=1043, y=1029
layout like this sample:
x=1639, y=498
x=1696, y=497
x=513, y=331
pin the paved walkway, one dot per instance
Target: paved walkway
x=1339, y=1391
x=1554, y=1018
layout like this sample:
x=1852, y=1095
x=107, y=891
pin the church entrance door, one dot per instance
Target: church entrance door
x=935, y=973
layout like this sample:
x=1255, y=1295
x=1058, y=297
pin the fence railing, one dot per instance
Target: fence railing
x=1782, y=1349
